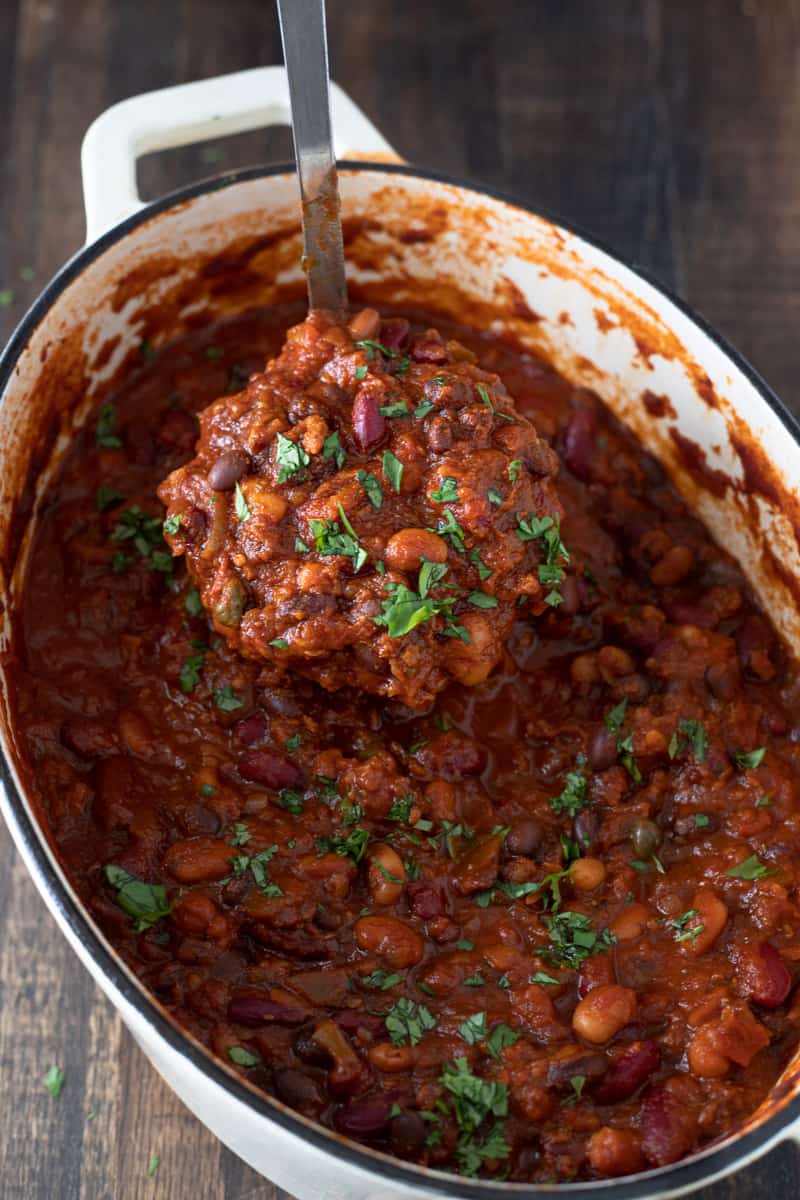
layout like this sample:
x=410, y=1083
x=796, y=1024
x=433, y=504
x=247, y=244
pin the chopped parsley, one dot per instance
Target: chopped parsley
x=748, y=759
x=577, y=1083
x=370, y=346
x=701, y=821
x=279, y=643
x=381, y=981
x=547, y=531
x=330, y=539
x=686, y=928
x=693, y=737
x=513, y=469
x=479, y=564
x=361, y=372
x=574, y=795
x=214, y=352
x=541, y=977
x=190, y=671
x=301, y=547
x=240, y=504
x=143, y=532
x=423, y=408
x=257, y=866
x=474, y=1029
x=353, y=846
x=146, y=903
x=226, y=699
x=447, y=492
x=409, y=1022
x=573, y=939
x=105, y=434
x=290, y=457
x=332, y=448
x=192, y=602
x=481, y=600
x=392, y=469
x=54, y=1081
x=401, y=809
x=494, y=496
x=106, y=496
x=396, y=409
x=475, y=980
x=751, y=868
x=474, y=1101
x=291, y=801
x=404, y=609
x=240, y=835
x=465, y=944
x=372, y=486
x=500, y=1037
x=292, y=743
x=449, y=528
x=243, y=1057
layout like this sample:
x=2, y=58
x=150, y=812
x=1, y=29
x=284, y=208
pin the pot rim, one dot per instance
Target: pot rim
x=708, y=1164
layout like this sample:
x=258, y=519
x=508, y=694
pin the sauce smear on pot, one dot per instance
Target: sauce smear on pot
x=543, y=929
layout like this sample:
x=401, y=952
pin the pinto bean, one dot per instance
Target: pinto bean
x=365, y=324
x=227, y=470
x=396, y=942
x=603, y=1012
x=628, y=1072
x=268, y=769
x=615, y=1151
x=197, y=860
x=630, y=922
x=390, y=1058
x=386, y=874
x=406, y=549
x=711, y=920
x=587, y=874
x=672, y=567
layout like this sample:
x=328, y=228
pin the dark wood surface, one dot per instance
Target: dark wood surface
x=668, y=128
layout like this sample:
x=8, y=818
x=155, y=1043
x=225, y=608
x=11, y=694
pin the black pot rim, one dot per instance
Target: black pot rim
x=684, y=1176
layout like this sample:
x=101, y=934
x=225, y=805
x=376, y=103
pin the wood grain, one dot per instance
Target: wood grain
x=668, y=128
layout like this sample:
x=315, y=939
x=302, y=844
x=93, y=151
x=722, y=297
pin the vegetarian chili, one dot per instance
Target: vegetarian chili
x=543, y=929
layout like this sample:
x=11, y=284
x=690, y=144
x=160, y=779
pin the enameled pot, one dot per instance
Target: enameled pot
x=416, y=239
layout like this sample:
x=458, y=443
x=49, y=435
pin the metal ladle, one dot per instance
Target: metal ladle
x=305, y=52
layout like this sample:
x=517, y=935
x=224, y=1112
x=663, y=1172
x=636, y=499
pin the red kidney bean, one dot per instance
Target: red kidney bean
x=764, y=974
x=252, y=729
x=227, y=470
x=427, y=899
x=369, y=423
x=603, y=750
x=580, y=441
x=407, y=1134
x=591, y=1066
x=264, y=767
x=298, y=1091
x=524, y=839
x=394, y=333
x=428, y=347
x=627, y=1073
x=353, y=1019
x=259, y=1010
x=668, y=1128
x=363, y=1117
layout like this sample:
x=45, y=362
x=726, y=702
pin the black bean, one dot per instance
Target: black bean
x=646, y=837
x=298, y=1090
x=603, y=750
x=585, y=826
x=407, y=1134
x=524, y=838
x=309, y=1051
x=227, y=470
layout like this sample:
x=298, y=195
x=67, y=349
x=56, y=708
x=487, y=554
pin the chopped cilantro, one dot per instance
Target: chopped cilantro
x=370, y=346
x=574, y=795
x=686, y=928
x=401, y=809
x=372, y=486
x=190, y=671
x=513, y=469
x=475, y=980
x=361, y=372
x=146, y=903
x=475, y=1100
x=353, y=846
x=479, y=564
x=701, y=821
x=396, y=409
x=106, y=496
x=243, y=1057
x=577, y=1083
x=573, y=939
x=547, y=531
x=257, y=866
x=449, y=528
x=494, y=496
x=105, y=433
x=392, y=469
x=54, y=1081
x=291, y=457
x=207, y=789
x=214, y=352
x=542, y=977
x=293, y=743
x=332, y=448
x=380, y=981
x=465, y=944
x=751, y=868
x=447, y=492
x=279, y=643
x=226, y=699
x=192, y=602
x=501, y=1037
x=240, y=504
x=481, y=600
x=241, y=835
x=330, y=539
x=291, y=801
x=748, y=759
x=474, y=1029
x=423, y=408
x=144, y=533
x=409, y=1022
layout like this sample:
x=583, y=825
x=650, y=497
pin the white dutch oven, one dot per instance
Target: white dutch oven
x=413, y=239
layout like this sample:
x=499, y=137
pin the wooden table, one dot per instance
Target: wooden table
x=669, y=128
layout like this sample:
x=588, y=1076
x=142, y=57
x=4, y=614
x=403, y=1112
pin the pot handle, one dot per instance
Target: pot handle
x=196, y=112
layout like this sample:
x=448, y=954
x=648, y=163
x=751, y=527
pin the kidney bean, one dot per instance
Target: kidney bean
x=298, y=1090
x=197, y=860
x=561, y=1070
x=252, y=729
x=253, y=1011
x=603, y=1012
x=227, y=470
x=397, y=943
x=264, y=767
x=369, y=423
x=394, y=333
x=439, y=433
x=353, y=1019
x=602, y=750
x=763, y=975
x=580, y=440
x=427, y=899
x=615, y=1152
x=524, y=839
x=668, y=1127
x=628, y=1072
x=364, y=1117
x=428, y=347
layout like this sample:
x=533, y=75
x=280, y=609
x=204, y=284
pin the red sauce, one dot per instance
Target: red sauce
x=546, y=929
